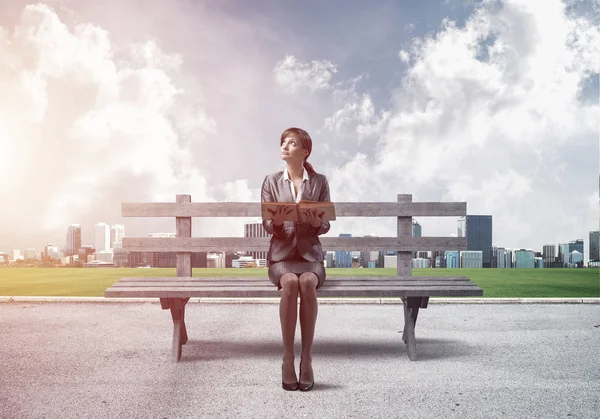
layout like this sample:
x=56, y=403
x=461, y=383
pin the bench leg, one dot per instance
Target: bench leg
x=180, y=337
x=411, y=312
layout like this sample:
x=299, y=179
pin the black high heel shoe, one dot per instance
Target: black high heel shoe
x=286, y=386
x=305, y=386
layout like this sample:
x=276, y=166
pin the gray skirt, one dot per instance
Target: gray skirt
x=297, y=265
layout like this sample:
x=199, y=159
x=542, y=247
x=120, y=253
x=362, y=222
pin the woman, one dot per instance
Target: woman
x=295, y=256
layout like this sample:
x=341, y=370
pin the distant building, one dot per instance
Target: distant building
x=101, y=237
x=539, y=262
x=84, y=252
x=524, y=258
x=329, y=259
x=242, y=262
x=452, y=259
x=256, y=230
x=471, y=259
x=215, y=260
x=29, y=254
x=105, y=256
x=576, y=258
x=549, y=255
x=416, y=232
x=594, y=246
x=508, y=260
x=51, y=252
x=390, y=261
x=478, y=231
x=73, y=239
x=440, y=262
x=498, y=257
x=343, y=258
x=565, y=249
x=117, y=232
x=420, y=263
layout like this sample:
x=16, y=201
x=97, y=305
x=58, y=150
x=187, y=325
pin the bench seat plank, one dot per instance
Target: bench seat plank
x=271, y=291
x=368, y=283
x=265, y=278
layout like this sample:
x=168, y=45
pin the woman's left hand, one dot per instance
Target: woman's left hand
x=313, y=218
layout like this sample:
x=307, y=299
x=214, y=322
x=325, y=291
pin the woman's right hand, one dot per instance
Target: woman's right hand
x=280, y=215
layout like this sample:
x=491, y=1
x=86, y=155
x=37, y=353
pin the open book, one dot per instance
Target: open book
x=296, y=211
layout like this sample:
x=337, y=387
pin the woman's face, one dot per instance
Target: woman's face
x=292, y=150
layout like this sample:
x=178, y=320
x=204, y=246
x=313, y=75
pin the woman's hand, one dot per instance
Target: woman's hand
x=313, y=218
x=280, y=214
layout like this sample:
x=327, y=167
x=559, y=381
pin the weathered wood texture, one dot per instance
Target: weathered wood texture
x=183, y=226
x=261, y=287
x=262, y=279
x=404, y=229
x=223, y=244
x=252, y=209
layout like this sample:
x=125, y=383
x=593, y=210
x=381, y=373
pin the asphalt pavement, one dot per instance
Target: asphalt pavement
x=113, y=360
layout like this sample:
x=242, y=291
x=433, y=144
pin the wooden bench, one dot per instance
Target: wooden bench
x=174, y=293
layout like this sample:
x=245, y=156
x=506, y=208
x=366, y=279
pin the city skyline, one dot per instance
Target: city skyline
x=438, y=99
x=117, y=232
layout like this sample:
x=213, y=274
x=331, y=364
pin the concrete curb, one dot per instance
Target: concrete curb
x=433, y=300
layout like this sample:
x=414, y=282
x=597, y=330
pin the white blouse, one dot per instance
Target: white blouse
x=297, y=198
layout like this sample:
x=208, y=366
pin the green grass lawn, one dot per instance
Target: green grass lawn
x=495, y=282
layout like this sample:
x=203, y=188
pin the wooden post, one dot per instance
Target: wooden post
x=404, y=230
x=183, y=226
x=184, y=229
x=404, y=261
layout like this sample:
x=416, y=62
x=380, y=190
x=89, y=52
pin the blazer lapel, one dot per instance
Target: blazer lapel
x=283, y=190
x=309, y=193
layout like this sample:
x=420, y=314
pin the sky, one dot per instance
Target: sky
x=493, y=103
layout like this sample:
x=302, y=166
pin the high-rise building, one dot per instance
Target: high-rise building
x=478, y=231
x=256, y=230
x=343, y=258
x=416, y=232
x=524, y=258
x=461, y=227
x=51, y=251
x=549, y=255
x=594, y=245
x=508, y=260
x=416, y=229
x=101, y=237
x=117, y=232
x=498, y=257
x=575, y=257
x=73, y=239
x=565, y=249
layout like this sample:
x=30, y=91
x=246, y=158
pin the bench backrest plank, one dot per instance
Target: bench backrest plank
x=183, y=210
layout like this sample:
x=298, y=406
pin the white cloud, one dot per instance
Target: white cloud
x=80, y=128
x=355, y=116
x=404, y=56
x=293, y=75
x=489, y=113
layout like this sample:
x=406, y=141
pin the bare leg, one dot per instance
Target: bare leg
x=288, y=314
x=308, y=318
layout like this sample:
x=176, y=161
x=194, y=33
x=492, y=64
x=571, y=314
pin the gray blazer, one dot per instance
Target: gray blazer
x=291, y=235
